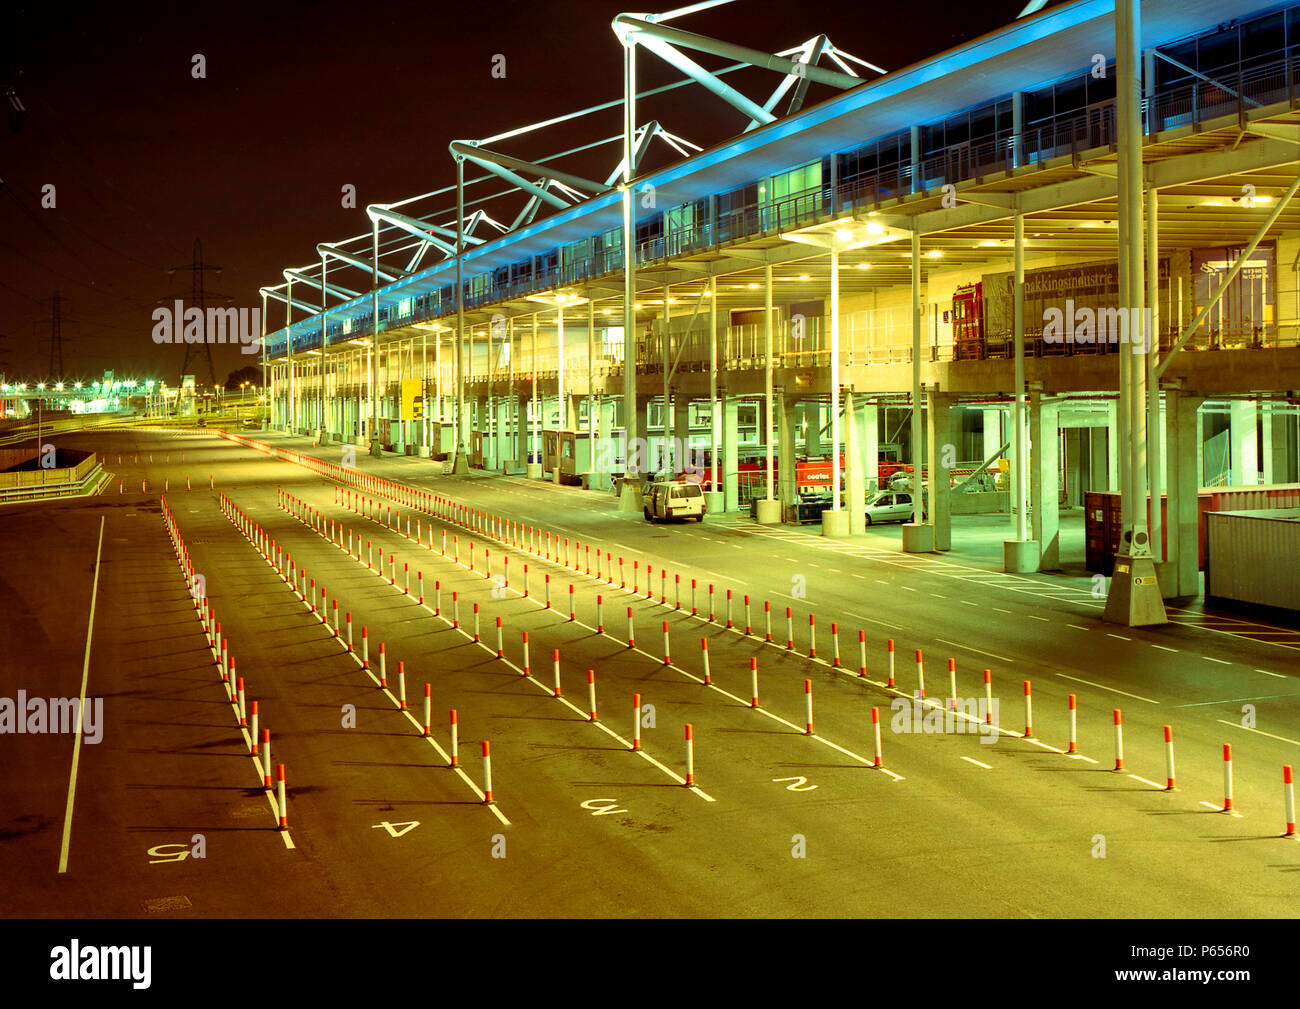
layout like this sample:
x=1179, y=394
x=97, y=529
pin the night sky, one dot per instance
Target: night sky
x=299, y=100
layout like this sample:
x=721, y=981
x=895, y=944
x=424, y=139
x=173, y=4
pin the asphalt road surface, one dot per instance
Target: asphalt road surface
x=780, y=822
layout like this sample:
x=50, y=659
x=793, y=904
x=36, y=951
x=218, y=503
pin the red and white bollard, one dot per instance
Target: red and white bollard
x=1119, y=740
x=284, y=809
x=767, y=619
x=668, y=660
x=476, y=638
x=1169, y=758
x=920, y=676
x=753, y=681
x=600, y=612
x=455, y=740
x=383, y=667
x=748, y=627
x=252, y=736
x=1227, y=777
x=365, y=650
x=242, y=719
x=526, y=669
x=636, y=721
x=1074, y=727
x=1029, y=713
x=591, y=692
x=428, y=710
x=952, y=684
x=401, y=685
x=1288, y=796
x=988, y=697
x=812, y=636
x=555, y=661
x=789, y=627
x=728, y=609
x=835, y=640
x=704, y=650
x=572, y=612
x=500, y=647
x=266, y=759
x=631, y=636
x=690, y=757
x=487, y=772
x=891, y=663
x=807, y=692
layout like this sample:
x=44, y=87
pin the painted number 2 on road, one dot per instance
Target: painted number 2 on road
x=800, y=784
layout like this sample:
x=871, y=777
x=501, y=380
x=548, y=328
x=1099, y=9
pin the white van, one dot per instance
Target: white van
x=674, y=499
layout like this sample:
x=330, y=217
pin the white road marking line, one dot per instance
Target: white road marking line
x=969, y=603
x=972, y=760
x=1211, y=658
x=1045, y=746
x=977, y=651
x=1077, y=627
x=1113, y=690
x=1260, y=732
x=1146, y=781
x=81, y=707
x=999, y=610
x=1163, y=648
x=1219, y=809
x=1267, y=673
x=1120, y=636
x=1232, y=700
x=1080, y=756
x=1033, y=617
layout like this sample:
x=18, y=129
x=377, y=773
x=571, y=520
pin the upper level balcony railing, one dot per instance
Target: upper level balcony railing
x=1189, y=101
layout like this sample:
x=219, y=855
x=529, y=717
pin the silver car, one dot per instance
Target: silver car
x=889, y=506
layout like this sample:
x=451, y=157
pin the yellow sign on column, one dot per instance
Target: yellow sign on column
x=412, y=399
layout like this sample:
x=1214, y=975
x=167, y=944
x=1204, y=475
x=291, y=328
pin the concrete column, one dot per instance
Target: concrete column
x=1112, y=445
x=1098, y=476
x=520, y=430
x=1179, y=577
x=812, y=427
x=783, y=421
x=1044, y=464
x=854, y=466
x=769, y=512
x=992, y=431
x=1243, y=435
x=870, y=443
x=729, y=407
x=682, y=430
x=939, y=415
x=1279, y=445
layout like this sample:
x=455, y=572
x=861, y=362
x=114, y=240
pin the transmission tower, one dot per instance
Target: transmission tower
x=198, y=299
x=55, y=322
